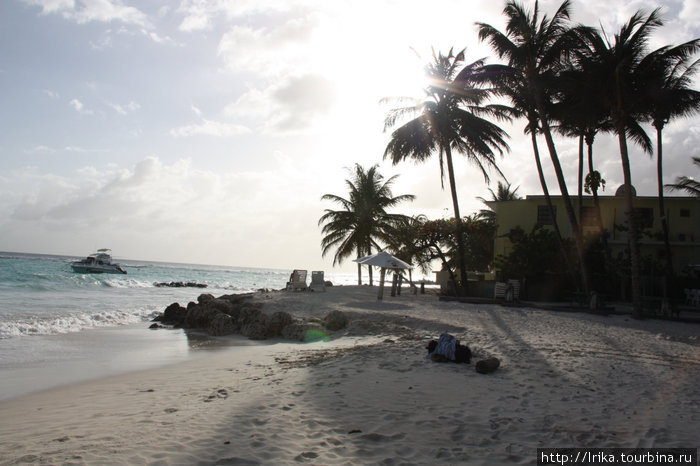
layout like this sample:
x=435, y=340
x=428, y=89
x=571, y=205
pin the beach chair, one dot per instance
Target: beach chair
x=499, y=290
x=317, y=281
x=297, y=281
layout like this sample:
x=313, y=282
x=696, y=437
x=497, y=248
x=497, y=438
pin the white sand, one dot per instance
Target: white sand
x=369, y=396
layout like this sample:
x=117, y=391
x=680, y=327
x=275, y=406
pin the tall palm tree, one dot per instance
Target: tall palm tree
x=580, y=113
x=617, y=66
x=451, y=118
x=534, y=49
x=686, y=183
x=668, y=95
x=363, y=220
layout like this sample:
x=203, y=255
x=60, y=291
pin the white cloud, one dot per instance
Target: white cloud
x=82, y=149
x=210, y=128
x=41, y=149
x=168, y=209
x=52, y=94
x=125, y=109
x=293, y=105
x=79, y=107
x=269, y=52
x=85, y=11
x=52, y=6
x=691, y=13
x=201, y=14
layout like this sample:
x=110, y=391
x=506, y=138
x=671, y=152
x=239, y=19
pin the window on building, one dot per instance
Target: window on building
x=685, y=213
x=644, y=216
x=543, y=215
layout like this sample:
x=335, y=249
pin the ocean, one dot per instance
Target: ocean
x=59, y=327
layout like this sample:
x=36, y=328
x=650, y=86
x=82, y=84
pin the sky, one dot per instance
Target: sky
x=206, y=131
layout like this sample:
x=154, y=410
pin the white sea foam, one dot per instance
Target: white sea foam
x=71, y=323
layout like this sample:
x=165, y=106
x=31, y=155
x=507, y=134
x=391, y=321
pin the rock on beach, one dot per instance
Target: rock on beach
x=240, y=314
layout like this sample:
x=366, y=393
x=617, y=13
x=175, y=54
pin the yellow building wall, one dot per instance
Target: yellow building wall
x=683, y=214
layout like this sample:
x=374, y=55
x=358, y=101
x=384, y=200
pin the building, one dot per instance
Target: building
x=682, y=213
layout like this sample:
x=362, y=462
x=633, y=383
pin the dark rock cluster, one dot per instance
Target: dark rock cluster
x=239, y=314
x=180, y=284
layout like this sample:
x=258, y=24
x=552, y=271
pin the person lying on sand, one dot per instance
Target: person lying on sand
x=447, y=348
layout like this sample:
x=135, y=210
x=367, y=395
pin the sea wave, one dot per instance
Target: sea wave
x=71, y=323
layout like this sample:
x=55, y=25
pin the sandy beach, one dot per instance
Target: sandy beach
x=369, y=396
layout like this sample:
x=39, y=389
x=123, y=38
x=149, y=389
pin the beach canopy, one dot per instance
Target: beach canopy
x=384, y=260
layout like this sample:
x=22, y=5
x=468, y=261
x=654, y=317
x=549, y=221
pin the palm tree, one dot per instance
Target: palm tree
x=580, y=113
x=534, y=49
x=450, y=119
x=687, y=184
x=364, y=218
x=616, y=66
x=668, y=95
x=502, y=193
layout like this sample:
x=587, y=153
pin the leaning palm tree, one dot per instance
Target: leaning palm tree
x=668, y=95
x=534, y=48
x=617, y=66
x=363, y=220
x=451, y=118
x=686, y=183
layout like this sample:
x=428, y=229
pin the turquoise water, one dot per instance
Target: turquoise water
x=59, y=327
x=41, y=295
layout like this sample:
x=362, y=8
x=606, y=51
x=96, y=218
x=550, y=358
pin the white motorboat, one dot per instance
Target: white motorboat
x=100, y=262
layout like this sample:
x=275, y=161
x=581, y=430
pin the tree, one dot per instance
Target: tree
x=668, y=76
x=451, y=118
x=502, y=193
x=616, y=66
x=534, y=49
x=687, y=184
x=363, y=220
x=580, y=113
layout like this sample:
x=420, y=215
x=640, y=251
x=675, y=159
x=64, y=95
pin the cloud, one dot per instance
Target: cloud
x=292, y=105
x=201, y=14
x=40, y=149
x=85, y=11
x=51, y=94
x=79, y=107
x=691, y=13
x=124, y=109
x=165, y=210
x=210, y=128
x=82, y=150
x=269, y=52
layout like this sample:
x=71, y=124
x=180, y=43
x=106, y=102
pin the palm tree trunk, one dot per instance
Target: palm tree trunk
x=633, y=239
x=445, y=266
x=596, y=201
x=662, y=210
x=548, y=199
x=580, y=183
x=539, y=103
x=458, y=219
x=567, y=201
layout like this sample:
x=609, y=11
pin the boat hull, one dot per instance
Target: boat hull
x=78, y=268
